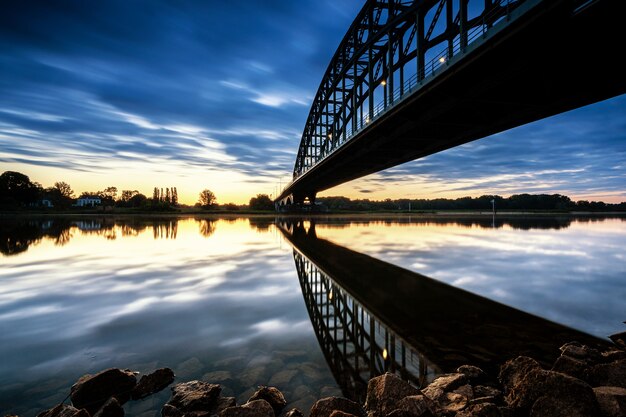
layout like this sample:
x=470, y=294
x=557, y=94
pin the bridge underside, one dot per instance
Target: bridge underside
x=548, y=61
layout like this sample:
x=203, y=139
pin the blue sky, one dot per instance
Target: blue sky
x=198, y=94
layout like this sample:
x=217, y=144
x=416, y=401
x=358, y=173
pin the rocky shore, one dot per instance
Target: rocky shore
x=583, y=382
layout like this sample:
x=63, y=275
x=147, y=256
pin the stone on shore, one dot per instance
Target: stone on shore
x=529, y=388
x=64, y=410
x=194, y=396
x=415, y=406
x=256, y=408
x=273, y=396
x=612, y=401
x=326, y=406
x=581, y=352
x=338, y=413
x=480, y=410
x=294, y=412
x=474, y=374
x=152, y=383
x=572, y=367
x=111, y=408
x=383, y=392
x=608, y=374
x=92, y=391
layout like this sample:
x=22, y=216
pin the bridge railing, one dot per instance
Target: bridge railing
x=432, y=68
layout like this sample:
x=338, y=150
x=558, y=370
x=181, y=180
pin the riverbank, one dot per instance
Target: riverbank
x=583, y=382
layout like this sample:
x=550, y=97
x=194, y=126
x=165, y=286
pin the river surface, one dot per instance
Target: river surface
x=314, y=307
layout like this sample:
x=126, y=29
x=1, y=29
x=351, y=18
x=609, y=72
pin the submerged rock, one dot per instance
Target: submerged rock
x=152, y=383
x=326, y=406
x=529, y=388
x=383, y=392
x=257, y=408
x=272, y=395
x=92, y=391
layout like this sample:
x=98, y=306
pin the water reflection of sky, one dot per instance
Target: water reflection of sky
x=96, y=302
x=573, y=275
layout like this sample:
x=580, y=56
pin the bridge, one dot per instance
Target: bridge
x=415, y=77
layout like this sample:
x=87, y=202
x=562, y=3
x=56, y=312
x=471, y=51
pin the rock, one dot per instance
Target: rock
x=326, y=406
x=170, y=411
x=64, y=410
x=613, y=355
x=189, y=368
x=474, y=374
x=253, y=376
x=525, y=383
x=480, y=410
x=549, y=406
x=257, y=408
x=612, y=401
x=328, y=391
x=194, y=396
x=506, y=411
x=581, y=352
x=92, y=391
x=111, y=408
x=294, y=412
x=415, y=406
x=338, y=413
x=572, y=367
x=273, y=396
x=446, y=383
x=482, y=391
x=384, y=391
x=222, y=404
x=608, y=374
x=152, y=383
x=283, y=377
x=619, y=339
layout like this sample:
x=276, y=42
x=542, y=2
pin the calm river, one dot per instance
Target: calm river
x=312, y=307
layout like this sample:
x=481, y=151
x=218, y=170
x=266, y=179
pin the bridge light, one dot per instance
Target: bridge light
x=330, y=136
x=385, y=354
x=330, y=295
x=383, y=83
x=367, y=119
x=442, y=59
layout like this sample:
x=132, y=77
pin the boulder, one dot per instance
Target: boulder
x=326, y=406
x=445, y=383
x=558, y=406
x=294, y=412
x=384, y=391
x=612, y=401
x=194, y=396
x=572, y=367
x=474, y=374
x=256, y=408
x=170, y=411
x=581, y=352
x=613, y=355
x=111, y=408
x=526, y=383
x=92, y=391
x=486, y=392
x=415, y=406
x=608, y=374
x=480, y=410
x=64, y=410
x=273, y=396
x=338, y=413
x=619, y=339
x=152, y=383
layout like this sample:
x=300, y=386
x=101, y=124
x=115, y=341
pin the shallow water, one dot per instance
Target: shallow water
x=231, y=301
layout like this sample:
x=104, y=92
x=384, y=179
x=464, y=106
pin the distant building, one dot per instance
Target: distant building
x=45, y=203
x=88, y=201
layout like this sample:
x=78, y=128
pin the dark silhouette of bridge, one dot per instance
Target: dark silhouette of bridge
x=372, y=317
x=412, y=78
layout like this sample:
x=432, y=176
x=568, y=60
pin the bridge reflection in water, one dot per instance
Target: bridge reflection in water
x=371, y=317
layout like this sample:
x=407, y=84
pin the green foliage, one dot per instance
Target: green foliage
x=261, y=202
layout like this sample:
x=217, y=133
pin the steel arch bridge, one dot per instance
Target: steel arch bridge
x=414, y=77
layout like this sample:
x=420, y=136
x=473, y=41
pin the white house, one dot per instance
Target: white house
x=88, y=201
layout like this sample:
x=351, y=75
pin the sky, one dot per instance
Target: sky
x=203, y=94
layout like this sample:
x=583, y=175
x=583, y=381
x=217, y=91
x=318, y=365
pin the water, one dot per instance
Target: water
x=313, y=307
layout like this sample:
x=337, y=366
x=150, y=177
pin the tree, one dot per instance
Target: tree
x=16, y=188
x=207, y=199
x=64, y=189
x=261, y=202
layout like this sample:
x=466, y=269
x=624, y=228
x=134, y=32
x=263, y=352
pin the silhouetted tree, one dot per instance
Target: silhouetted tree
x=207, y=199
x=17, y=189
x=261, y=202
